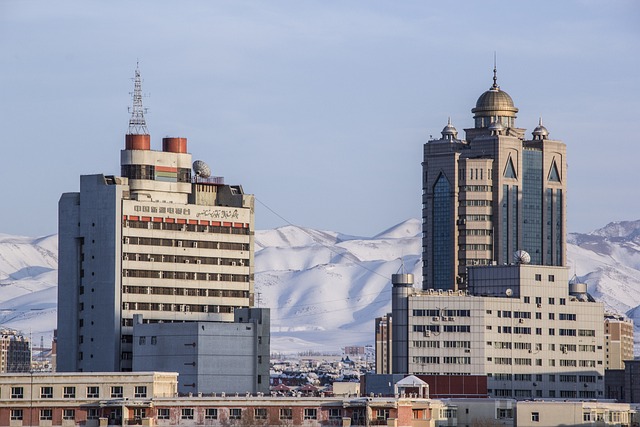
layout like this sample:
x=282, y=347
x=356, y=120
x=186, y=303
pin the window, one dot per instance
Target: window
x=186, y=414
x=93, y=391
x=93, y=413
x=563, y=301
x=46, y=392
x=527, y=300
x=163, y=413
x=504, y=413
x=382, y=414
x=286, y=413
x=140, y=391
x=552, y=316
x=154, y=340
x=552, y=331
x=538, y=316
x=16, y=414
x=260, y=413
x=142, y=340
x=335, y=414
x=552, y=278
x=211, y=414
x=552, y=301
x=538, y=300
x=538, y=277
x=235, y=413
x=69, y=392
x=535, y=416
x=139, y=413
x=46, y=414
x=116, y=391
x=310, y=414
x=17, y=393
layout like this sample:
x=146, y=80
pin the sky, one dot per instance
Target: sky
x=319, y=108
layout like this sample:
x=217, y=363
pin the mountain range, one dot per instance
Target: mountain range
x=324, y=288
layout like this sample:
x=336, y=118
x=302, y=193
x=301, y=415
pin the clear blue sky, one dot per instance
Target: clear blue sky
x=319, y=108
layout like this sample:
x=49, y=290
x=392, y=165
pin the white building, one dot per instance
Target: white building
x=522, y=325
x=157, y=241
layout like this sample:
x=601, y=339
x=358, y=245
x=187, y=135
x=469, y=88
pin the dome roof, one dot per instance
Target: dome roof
x=449, y=131
x=495, y=102
x=540, y=132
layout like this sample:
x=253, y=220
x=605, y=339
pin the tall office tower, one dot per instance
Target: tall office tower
x=158, y=240
x=488, y=196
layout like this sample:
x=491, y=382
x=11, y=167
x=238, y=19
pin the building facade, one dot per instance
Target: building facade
x=523, y=326
x=15, y=352
x=210, y=357
x=159, y=240
x=383, y=344
x=491, y=194
x=618, y=334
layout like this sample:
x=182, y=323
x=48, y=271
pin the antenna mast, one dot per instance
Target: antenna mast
x=137, y=123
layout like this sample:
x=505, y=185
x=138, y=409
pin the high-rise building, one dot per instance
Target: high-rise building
x=383, y=344
x=491, y=194
x=158, y=240
x=496, y=298
x=618, y=334
x=15, y=352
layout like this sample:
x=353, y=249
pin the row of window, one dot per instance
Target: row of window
x=565, y=394
x=69, y=392
x=552, y=301
x=445, y=344
x=191, y=292
x=449, y=360
x=552, y=362
x=258, y=413
x=443, y=313
x=444, y=328
x=128, y=256
x=538, y=331
x=185, y=275
x=538, y=377
x=171, y=226
x=193, y=308
x=179, y=243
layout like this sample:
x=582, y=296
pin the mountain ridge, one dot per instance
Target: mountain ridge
x=324, y=287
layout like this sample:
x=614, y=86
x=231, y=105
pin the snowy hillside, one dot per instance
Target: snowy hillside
x=28, y=285
x=324, y=288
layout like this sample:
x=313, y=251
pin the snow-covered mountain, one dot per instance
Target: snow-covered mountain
x=324, y=288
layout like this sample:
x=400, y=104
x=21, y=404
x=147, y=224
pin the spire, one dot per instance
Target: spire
x=495, y=73
x=137, y=123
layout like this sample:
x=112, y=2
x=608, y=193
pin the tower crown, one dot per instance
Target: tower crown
x=494, y=103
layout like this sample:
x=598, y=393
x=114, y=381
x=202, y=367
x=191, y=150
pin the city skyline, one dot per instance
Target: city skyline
x=341, y=96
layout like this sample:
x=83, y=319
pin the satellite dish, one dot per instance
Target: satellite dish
x=508, y=292
x=201, y=169
x=522, y=257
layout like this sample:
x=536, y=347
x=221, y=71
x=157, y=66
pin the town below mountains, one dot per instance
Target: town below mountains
x=324, y=288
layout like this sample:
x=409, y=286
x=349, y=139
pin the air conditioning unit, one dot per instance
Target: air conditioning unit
x=151, y=259
x=126, y=240
x=467, y=350
x=451, y=319
x=198, y=261
x=435, y=319
x=427, y=333
x=179, y=243
x=186, y=261
x=450, y=292
x=125, y=258
x=520, y=321
x=440, y=291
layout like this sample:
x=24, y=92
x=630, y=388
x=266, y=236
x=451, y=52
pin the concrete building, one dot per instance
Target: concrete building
x=210, y=357
x=70, y=399
x=15, y=352
x=523, y=326
x=618, y=340
x=159, y=240
x=491, y=194
x=98, y=399
x=383, y=344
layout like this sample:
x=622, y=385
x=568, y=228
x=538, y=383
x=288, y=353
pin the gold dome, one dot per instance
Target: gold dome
x=494, y=102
